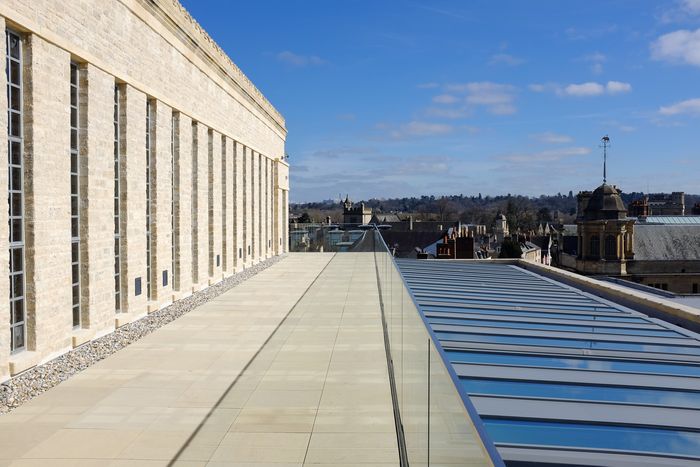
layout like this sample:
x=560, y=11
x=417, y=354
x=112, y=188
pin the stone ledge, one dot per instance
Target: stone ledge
x=23, y=361
x=125, y=318
x=81, y=336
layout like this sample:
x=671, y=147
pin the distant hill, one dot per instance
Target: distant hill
x=522, y=211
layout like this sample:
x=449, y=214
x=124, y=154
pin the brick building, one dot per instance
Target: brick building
x=143, y=165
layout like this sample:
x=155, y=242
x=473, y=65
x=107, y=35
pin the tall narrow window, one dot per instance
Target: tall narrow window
x=174, y=194
x=117, y=204
x=15, y=164
x=148, y=199
x=594, y=251
x=610, y=247
x=75, y=194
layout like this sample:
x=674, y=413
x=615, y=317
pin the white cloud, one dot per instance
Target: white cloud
x=445, y=99
x=537, y=87
x=448, y=112
x=691, y=6
x=687, y=107
x=594, y=57
x=505, y=59
x=617, y=87
x=290, y=58
x=551, y=138
x=682, y=46
x=587, y=89
x=681, y=11
x=550, y=155
x=584, y=89
x=415, y=129
x=496, y=98
x=597, y=68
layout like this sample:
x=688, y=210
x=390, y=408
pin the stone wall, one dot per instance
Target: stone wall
x=212, y=134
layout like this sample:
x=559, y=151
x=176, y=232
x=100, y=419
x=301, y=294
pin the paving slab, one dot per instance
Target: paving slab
x=287, y=368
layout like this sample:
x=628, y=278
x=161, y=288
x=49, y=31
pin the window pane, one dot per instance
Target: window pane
x=14, y=46
x=18, y=306
x=594, y=436
x=533, y=314
x=553, y=327
x=18, y=336
x=16, y=178
x=15, y=124
x=571, y=343
x=14, y=72
x=16, y=204
x=16, y=255
x=16, y=233
x=15, y=99
x=573, y=363
x=17, y=285
x=581, y=392
x=16, y=153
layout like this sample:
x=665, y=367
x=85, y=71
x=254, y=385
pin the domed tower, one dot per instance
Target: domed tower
x=500, y=227
x=605, y=233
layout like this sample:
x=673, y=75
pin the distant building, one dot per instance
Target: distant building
x=659, y=204
x=384, y=218
x=356, y=214
x=500, y=227
x=604, y=232
x=659, y=251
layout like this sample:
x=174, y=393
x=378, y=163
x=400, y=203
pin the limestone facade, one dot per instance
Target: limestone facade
x=181, y=169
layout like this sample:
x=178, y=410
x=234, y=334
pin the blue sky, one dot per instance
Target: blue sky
x=406, y=98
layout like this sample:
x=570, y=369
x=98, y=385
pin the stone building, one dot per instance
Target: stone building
x=143, y=165
x=355, y=214
x=604, y=232
x=661, y=252
x=500, y=227
x=659, y=204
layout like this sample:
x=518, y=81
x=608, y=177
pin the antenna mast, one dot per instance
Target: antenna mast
x=606, y=142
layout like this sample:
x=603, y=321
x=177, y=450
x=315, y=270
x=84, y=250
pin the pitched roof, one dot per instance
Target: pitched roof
x=666, y=242
x=383, y=218
x=406, y=242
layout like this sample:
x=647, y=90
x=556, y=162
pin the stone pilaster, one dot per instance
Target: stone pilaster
x=247, y=207
x=215, y=222
x=228, y=210
x=239, y=206
x=182, y=279
x=161, y=197
x=96, y=114
x=200, y=196
x=260, y=203
x=281, y=216
x=133, y=203
x=268, y=209
x=47, y=196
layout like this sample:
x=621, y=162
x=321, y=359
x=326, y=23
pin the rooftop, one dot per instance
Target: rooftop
x=558, y=374
x=361, y=359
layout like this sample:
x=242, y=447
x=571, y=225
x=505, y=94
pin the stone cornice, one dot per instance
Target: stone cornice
x=176, y=18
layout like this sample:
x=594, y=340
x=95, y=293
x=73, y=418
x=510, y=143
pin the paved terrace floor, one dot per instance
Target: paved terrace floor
x=286, y=369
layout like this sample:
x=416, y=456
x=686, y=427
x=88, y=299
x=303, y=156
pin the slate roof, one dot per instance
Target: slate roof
x=666, y=242
x=406, y=242
x=385, y=218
